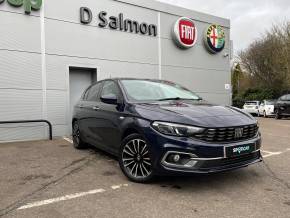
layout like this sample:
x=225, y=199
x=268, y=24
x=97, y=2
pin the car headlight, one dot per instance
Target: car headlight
x=176, y=129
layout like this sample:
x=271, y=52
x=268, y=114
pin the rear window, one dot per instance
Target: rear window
x=270, y=102
x=251, y=103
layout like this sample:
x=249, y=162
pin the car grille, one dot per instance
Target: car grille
x=228, y=134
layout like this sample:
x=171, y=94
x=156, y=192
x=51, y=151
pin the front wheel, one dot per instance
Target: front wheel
x=135, y=159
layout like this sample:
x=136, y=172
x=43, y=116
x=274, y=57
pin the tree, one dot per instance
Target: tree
x=267, y=60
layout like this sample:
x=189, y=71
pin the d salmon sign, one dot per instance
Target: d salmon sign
x=185, y=32
x=214, y=38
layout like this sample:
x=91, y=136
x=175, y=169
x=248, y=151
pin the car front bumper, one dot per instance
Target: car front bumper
x=205, y=157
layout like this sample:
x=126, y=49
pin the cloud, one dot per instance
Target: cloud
x=249, y=18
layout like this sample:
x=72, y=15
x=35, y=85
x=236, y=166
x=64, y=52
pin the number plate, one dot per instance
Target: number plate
x=238, y=150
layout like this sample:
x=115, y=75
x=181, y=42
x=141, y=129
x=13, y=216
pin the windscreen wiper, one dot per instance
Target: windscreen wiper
x=178, y=98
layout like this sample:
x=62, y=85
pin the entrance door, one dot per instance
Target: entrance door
x=79, y=80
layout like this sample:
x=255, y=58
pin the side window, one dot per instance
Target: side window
x=283, y=98
x=110, y=87
x=85, y=95
x=287, y=97
x=92, y=93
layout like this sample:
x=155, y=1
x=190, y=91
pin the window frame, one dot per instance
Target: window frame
x=85, y=96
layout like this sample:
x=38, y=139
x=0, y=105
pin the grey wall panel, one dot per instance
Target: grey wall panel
x=20, y=104
x=168, y=20
x=20, y=70
x=59, y=130
x=69, y=10
x=171, y=9
x=196, y=57
x=216, y=98
x=19, y=32
x=58, y=67
x=56, y=107
x=94, y=42
x=21, y=133
x=197, y=80
x=118, y=69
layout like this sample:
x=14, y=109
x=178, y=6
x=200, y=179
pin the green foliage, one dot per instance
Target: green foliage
x=255, y=94
x=237, y=75
x=263, y=69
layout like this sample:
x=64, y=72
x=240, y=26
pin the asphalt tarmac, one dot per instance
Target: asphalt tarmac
x=52, y=179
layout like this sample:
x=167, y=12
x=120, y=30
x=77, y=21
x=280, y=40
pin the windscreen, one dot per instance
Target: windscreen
x=147, y=90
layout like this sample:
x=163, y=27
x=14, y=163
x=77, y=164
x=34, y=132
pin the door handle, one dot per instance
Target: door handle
x=81, y=106
x=96, y=108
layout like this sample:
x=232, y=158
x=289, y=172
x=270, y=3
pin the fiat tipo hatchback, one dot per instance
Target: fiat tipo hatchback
x=158, y=128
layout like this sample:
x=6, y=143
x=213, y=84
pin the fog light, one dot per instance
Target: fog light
x=190, y=163
x=176, y=158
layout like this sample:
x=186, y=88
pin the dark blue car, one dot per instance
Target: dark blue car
x=159, y=128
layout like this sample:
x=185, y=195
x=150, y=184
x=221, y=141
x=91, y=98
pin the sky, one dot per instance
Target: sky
x=249, y=18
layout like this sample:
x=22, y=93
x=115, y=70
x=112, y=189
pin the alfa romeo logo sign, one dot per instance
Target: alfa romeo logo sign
x=214, y=38
x=185, y=32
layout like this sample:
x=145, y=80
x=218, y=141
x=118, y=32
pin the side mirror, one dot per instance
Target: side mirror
x=109, y=99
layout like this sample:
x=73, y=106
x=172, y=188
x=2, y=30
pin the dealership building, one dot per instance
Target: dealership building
x=51, y=50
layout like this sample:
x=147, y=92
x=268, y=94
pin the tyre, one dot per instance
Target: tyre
x=135, y=159
x=277, y=115
x=264, y=114
x=76, y=135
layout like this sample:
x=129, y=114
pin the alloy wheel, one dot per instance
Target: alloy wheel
x=76, y=134
x=136, y=159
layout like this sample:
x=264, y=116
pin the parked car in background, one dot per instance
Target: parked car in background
x=282, y=107
x=266, y=108
x=252, y=107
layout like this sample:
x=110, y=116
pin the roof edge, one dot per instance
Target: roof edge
x=178, y=11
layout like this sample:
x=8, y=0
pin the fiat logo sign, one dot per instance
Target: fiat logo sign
x=185, y=32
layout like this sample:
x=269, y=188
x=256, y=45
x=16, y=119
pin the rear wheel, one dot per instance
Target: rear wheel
x=76, y=135
x=265, y=114
x=135, y=159
x=277, y=115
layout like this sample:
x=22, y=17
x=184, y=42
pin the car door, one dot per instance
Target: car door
x=262, y=107
x=111, y=116
x=282, y=104
x=287, y=104
x=90, y=120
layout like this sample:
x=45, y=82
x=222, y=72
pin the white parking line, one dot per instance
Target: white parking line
x=68, y=140
x=67, y=197
x=114, y=187
x=62, y=198
x=271, y=153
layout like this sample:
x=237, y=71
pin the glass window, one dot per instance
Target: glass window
x=147, y=90
x=110, y=87
x=92, y=93
x=252, y=103
x=284, y=98
x=270, y=102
